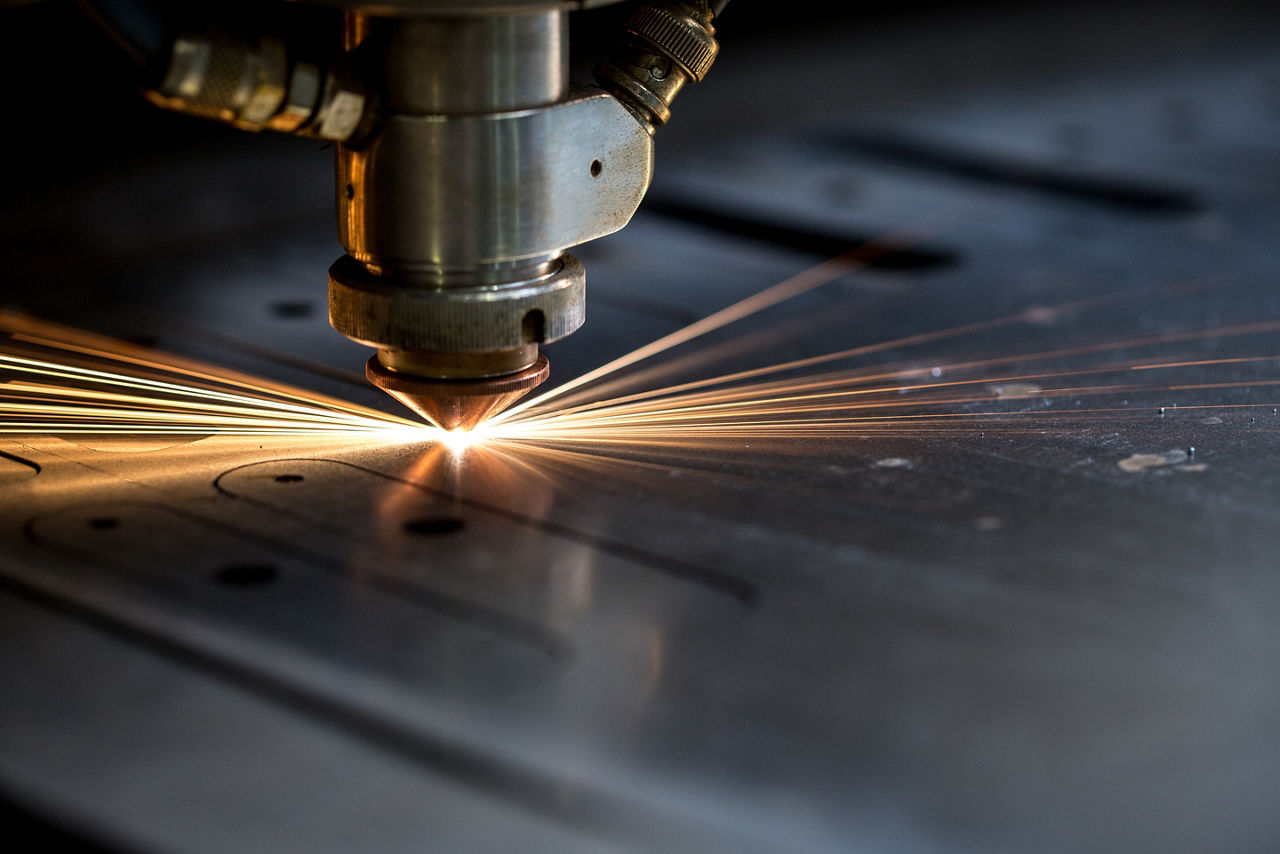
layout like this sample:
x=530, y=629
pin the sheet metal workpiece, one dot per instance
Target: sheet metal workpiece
x=939, y=641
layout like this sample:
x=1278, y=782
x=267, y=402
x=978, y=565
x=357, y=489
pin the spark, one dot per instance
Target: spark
x=789, y=400
x=858, y=258
x=63, y=381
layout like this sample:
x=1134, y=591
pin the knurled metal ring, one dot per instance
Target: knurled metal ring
x=387, y=312
x=682, y=38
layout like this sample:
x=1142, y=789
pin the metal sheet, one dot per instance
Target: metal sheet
x=1058, y=638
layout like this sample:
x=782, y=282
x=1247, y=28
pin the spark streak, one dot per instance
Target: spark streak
x=855, y=259
x=787, y=400
x=63, y=381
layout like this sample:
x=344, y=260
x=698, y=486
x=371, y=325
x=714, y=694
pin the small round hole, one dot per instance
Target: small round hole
x=292, y=309
x=247, y=575
x=597, y=166
x=288, y=478
x=349, y=191
x=143, y=340
x=534, y=326
x=434, y=525
x=103, y=523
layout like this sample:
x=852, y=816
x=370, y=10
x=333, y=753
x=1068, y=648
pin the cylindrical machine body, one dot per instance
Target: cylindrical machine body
x=466, y=167
x=445, y=208
x=435, y=205
x=484, y=168
x=463, y=65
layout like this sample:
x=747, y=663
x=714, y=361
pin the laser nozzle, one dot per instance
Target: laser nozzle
x=458, y=404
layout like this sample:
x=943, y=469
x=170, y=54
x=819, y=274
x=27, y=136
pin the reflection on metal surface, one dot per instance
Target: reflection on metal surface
x=1174, y=460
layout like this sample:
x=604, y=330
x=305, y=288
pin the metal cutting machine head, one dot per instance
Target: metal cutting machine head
x=467, y=166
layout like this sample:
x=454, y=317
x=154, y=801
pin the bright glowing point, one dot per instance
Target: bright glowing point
x=459, y=440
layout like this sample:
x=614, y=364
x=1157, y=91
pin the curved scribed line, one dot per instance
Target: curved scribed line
x=739, y=589
x=510, y=628
x=31, y=464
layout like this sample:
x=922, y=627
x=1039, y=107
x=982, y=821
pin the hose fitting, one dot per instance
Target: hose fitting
x=668, y=44
x=256, y=87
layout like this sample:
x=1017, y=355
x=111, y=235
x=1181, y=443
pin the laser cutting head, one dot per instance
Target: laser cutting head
x=487, y=166
x=466, y=167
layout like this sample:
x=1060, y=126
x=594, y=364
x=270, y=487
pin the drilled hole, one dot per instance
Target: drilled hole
x=143, y=340
x=247, y=575
x=292, y=309
x=816, y=240
x=1006, y=170
x=288, y=478
x=349, y=191
x=104, y=523
x=434, y=525
x=597, y=166
x=534, y=326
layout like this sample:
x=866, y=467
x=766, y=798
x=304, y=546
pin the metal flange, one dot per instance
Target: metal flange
x=392, y=312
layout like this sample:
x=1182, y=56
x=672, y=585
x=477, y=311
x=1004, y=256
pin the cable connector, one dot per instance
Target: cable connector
x=668, y=44
x=255, y=87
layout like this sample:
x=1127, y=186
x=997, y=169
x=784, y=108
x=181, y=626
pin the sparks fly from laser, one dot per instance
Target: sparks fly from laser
x=64, y=381
x=58, y=380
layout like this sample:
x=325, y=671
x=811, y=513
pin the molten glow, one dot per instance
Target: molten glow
x=458, y=440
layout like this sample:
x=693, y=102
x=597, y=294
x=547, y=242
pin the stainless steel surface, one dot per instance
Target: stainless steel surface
x=463, y=318
x=412, y=8
x=480, y=64
x=438, y=202
x=469, y=167
x=903, y=642
x=456, y=214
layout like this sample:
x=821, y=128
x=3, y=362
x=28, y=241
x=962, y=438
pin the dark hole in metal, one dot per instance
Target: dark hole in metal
x=434, y=525
x=1116, y=191
x=22, y=461
x=597, y=167
x=292, y=309
x=534, y=326
x=288, y=478
x=103, y=523
x=247, y=575
x=142, y=340
x=823, y=242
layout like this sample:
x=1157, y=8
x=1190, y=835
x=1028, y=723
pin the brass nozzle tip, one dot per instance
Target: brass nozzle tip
x=458, y=404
